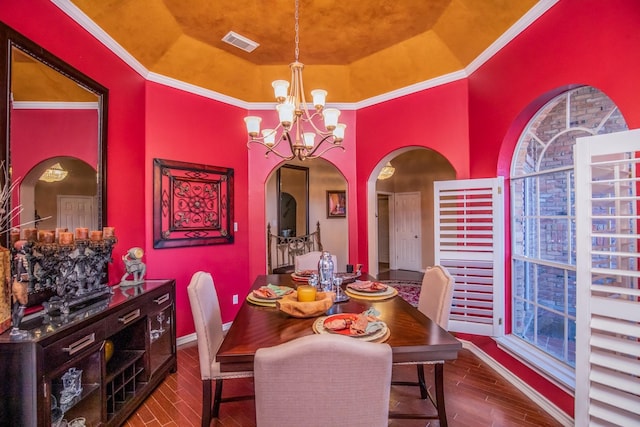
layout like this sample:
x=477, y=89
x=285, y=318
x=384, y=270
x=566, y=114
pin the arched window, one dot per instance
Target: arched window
x=543, y=222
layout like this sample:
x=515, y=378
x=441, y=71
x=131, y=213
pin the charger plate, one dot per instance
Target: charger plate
x=379, y=336
x=261, y=302
x=390, y=292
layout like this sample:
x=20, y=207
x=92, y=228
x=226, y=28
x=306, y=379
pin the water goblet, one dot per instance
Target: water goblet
x=337, y=283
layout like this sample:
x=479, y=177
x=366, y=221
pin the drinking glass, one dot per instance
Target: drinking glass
x=337, y=283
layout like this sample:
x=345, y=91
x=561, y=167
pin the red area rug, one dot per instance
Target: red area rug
x=407, y=289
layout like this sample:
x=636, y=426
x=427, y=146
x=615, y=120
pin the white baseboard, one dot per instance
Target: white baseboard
x=529, y=391
x=188, y=339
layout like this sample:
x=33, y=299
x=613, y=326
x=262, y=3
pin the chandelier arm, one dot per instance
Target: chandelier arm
x=309, y=119
x=311, y=154
x=271, y=150
x=320, y=154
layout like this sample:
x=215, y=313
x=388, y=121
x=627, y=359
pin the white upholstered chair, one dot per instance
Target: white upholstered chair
x=323, y=380
x=309, y=261
x=205, y=308
x=436, y=294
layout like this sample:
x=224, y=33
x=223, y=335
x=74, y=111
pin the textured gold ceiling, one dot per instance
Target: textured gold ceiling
x=355, y=49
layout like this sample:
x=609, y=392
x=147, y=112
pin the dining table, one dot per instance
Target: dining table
x=414, y=338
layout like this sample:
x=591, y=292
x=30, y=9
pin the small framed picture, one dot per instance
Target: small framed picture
x=336, y=204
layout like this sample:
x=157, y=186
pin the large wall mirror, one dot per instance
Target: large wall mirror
x=53, y=134
x=293, y=200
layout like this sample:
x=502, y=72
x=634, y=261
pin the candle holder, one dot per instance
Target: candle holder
x=59, y=275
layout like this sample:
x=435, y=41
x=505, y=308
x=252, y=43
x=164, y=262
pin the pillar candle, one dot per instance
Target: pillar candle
x=46, y=236
x=31, y=234
x=15, y=236
x=108, y=232
x=95, y=235
x=58, y=231
x=66, y=238
x=82, y=233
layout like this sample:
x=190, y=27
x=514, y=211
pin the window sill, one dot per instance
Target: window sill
x=550, y=368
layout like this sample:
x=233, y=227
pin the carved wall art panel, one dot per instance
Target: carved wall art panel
x=192, y=204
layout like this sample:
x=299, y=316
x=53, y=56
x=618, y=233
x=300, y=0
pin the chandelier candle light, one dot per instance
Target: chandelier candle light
x=296, y=122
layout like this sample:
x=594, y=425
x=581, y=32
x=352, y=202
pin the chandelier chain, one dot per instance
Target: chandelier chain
x=297, y=127
x=297, y=38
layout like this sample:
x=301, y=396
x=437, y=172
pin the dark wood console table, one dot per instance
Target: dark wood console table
x=38, y=370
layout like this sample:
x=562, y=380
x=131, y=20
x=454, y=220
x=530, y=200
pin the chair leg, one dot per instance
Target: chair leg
x=217, y=399
x=439, y=380
x=421, y=382
x=206, y=403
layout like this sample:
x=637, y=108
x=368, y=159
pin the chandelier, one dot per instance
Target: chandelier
x=387, y=171
x=295, y=135
x=54, y=174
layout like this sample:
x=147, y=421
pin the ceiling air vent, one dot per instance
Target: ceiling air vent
x=240, y=42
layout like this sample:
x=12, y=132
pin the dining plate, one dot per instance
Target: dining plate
x=279, y=290
x=261, y=302
x=386, y=292
x=298, y=278
x=347, y=331
x=380, y=335
x=355, y=287
x=389, y=293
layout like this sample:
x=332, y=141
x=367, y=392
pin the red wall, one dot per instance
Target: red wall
x=45, y=24
x=58, y=133
x=577, y=42
x=474, y=123
x=190, y=128
x=434, y=119
x=261, y=168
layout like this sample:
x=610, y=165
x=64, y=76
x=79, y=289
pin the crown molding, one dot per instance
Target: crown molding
x=408, y=90
x=92, y=28
x=197, y=90
x=522, y=24
x=42, y=105
x=85, y=22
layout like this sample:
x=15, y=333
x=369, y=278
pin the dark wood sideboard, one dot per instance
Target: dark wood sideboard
x=37, y=368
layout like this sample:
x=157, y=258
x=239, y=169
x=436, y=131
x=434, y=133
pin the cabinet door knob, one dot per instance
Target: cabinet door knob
x=161, y=299
x=80, y=344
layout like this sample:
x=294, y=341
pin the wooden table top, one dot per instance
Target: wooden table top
x=414, y=337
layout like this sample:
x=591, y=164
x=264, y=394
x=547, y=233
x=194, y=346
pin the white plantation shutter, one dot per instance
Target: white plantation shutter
x=469, y=242
x=608, y=298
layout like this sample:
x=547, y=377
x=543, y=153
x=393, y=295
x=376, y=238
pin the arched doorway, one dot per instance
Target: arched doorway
x=323, y=177
x=408, y=189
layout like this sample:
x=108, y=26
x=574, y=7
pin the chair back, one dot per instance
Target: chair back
x=205, y=308
x=309, y=261
x=436, y=294
x=323, y=380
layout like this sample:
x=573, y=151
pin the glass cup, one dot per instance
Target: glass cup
x=337, y=284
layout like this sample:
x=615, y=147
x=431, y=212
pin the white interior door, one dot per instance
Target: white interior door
x=408, y=234
x=607, y=292
x=77, y=211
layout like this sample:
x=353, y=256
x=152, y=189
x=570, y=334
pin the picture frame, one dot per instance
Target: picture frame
x=192, y=204
x=336, y=204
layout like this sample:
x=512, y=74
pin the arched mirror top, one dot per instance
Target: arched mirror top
x=51, y=114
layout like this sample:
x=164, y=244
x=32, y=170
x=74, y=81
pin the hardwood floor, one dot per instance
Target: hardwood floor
x=475, y=395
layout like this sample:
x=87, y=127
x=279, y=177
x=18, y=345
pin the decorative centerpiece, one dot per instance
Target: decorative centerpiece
x=306, y=307
x=59, y=269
